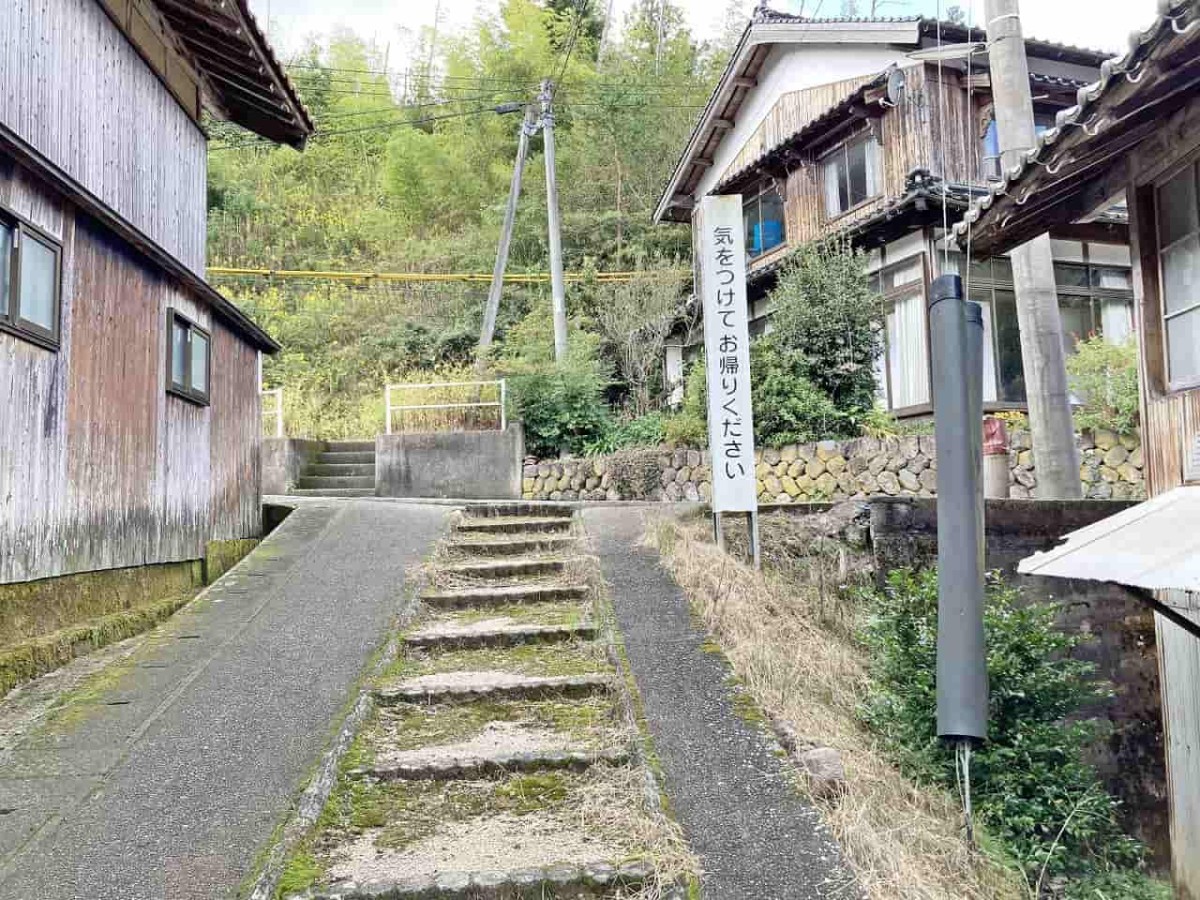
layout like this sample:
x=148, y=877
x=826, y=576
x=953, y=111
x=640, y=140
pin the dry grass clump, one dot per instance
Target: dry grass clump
x=787, y=634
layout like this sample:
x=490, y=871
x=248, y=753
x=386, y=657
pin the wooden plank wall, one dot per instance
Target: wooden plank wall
x=73, y=87
x=1168, y=420
x=99, y=466
x=930, y=128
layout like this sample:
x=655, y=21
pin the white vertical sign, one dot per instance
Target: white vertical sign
x=721, y=255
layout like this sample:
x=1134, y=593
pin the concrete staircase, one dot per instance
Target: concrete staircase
x=344, y=469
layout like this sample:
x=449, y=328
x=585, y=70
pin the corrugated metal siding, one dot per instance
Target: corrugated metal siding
x=99, y=467
x=73, y=87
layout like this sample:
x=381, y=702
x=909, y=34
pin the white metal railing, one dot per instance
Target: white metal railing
x=500, y=404
x=275, y=410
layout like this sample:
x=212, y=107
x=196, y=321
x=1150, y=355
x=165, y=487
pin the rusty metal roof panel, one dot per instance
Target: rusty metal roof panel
x=248, y=84
x=1154, y=545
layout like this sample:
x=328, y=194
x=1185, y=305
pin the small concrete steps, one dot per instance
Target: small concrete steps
x=515, y=545
x=515, y=525
x=450, y=689
x=510, y=509
x=471, y=637
x=343, y=469
x=516, y=568
x=475, y=767
x=503, y=596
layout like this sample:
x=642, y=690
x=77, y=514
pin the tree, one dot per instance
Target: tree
x=825, y=309
x=634, y=318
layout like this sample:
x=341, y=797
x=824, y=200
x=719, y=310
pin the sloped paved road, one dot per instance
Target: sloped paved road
x=170, y=780
x=755, y=836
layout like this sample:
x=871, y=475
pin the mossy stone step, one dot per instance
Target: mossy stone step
x=466, y=637
x=504, y=596
x=508, y=509
x=597, y=879
x=514, y=568
x=429, y=689
x=477, y=767
x=514, y=546
x=515, y=524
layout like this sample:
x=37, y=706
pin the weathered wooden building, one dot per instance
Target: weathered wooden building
x=1136, y=132
x=129, y=387
x=846, y=127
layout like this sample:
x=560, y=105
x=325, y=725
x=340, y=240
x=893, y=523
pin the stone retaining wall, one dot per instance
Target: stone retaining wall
x=829, y=470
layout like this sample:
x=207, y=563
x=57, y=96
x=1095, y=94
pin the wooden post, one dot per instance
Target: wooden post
x=1050, y=419
x=557, y=291
x=487, y=332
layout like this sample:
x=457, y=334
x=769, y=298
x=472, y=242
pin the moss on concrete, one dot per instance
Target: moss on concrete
x=221, y=556
x=35, y=609
x=533, y=660
x=36, y=656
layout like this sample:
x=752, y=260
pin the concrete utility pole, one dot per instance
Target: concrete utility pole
x=528, y=126
x=557, y=291
x=1055, y=454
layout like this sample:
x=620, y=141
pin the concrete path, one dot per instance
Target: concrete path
x=167, y=777
x=755, y=836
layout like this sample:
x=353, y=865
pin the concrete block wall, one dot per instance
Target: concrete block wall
x=827, y=470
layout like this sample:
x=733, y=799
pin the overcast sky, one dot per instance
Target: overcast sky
x=395, y=24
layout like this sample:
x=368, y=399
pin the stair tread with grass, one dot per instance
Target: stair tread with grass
x=514, y=509
x=503, y=596
x=514, y=524
x=492, y=686
x=448, y=767
x=509, y=568
x=513, y=545
x=485, y=635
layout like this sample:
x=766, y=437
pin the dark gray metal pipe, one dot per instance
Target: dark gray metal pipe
x=957, y=356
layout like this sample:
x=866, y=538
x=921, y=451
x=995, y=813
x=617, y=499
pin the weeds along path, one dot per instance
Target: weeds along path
x=502, y=758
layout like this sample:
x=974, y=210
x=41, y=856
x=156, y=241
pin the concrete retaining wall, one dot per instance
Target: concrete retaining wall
x=828, y=470
x=472, y=465
x=283, y=459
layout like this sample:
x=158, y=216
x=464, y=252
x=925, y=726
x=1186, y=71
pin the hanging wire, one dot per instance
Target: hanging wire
x=945, y=173
x=962, y=769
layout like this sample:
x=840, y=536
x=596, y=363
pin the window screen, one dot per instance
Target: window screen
x=30, y=265
x=6, y=248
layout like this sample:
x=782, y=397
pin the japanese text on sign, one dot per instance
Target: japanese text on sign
x=722, y=288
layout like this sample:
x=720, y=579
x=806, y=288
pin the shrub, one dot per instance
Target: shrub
x=649, y=430
x=1105, y=377
x=788, y=407
x=1029, y=779
x=561, y=410
x=825, y=309
x=686, y=430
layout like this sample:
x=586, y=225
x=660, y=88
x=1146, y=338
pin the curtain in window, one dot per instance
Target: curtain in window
x=908, y=352
x=833, y=180
x=874, y=168
x=989, y=352
x=1116, y=320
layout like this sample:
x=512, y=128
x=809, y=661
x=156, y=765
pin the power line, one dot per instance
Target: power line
x=249, y=144
x=436, y=277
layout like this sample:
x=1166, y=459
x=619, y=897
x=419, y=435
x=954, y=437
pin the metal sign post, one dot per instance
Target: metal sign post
x=721, y=286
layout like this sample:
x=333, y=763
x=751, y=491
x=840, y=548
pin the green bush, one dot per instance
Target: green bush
x=560, y=410
x=825, y=309
x=1031, y=786
x=1105, y=377
x=686, y=430
x=788, y=407
x=649, y=430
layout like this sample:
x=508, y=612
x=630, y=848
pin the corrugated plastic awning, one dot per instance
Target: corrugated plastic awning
x=1154, y=545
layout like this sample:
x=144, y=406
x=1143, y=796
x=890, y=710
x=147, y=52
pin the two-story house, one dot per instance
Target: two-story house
x=130, y=421
x=881, y=131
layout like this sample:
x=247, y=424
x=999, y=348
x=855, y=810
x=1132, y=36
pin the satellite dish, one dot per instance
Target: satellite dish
x=895, y=87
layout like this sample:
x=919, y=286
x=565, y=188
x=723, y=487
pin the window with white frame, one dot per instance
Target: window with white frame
x=1179, y=259
x=852, y=175
x=30, y=282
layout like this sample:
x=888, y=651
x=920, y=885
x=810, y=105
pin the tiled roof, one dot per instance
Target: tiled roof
x=1087, y=114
